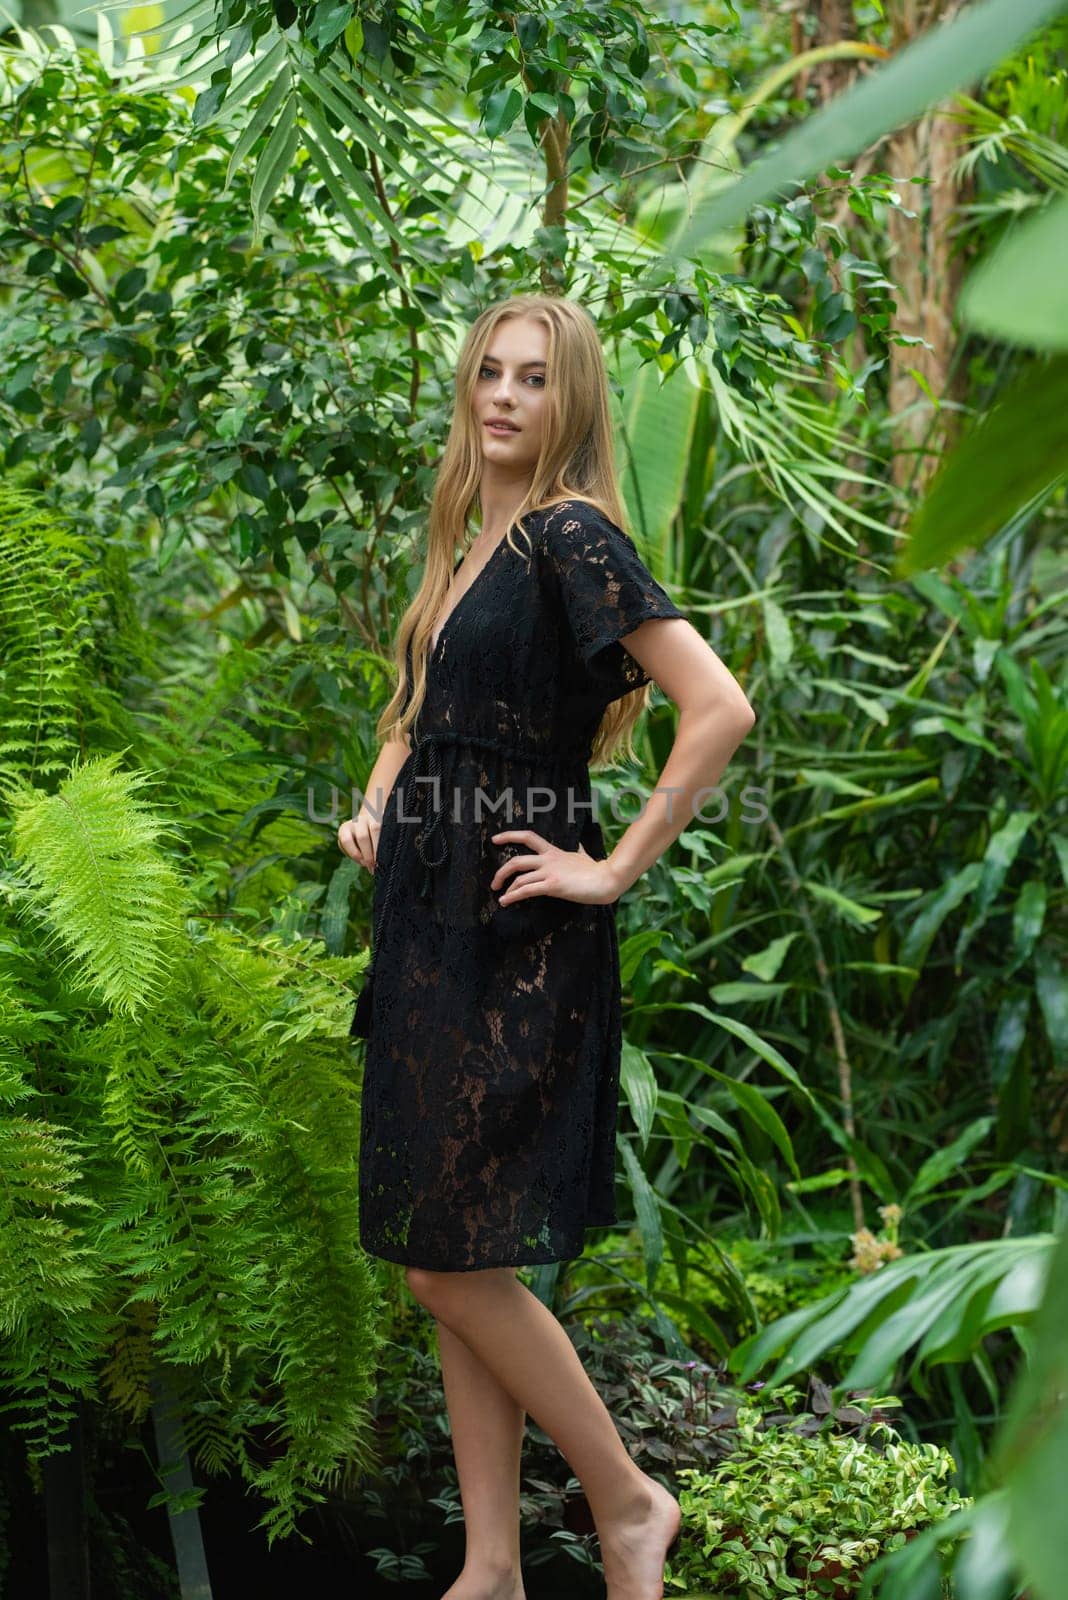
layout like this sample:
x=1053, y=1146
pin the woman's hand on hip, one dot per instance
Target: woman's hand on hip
x=548, y=870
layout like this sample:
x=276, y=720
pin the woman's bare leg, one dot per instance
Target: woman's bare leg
x=525, y=1348
x=487, y=1439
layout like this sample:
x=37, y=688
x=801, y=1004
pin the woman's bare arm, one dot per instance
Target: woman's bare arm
x=714, y=718
x=358, y=836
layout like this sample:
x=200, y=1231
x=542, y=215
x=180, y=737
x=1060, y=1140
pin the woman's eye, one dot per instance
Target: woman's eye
x=540, y=376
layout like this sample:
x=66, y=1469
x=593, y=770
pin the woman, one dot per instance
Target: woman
x=491, y=1073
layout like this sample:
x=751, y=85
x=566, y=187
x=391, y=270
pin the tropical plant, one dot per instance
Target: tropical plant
x=1013, y=1527
x=1004, y=466
x=180, y=1124
x=805, y=1514
x=935, y=1307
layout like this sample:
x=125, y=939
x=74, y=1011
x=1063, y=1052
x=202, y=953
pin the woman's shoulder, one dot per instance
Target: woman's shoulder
x=560, y=523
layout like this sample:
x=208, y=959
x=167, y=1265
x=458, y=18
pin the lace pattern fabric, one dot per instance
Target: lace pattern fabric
x=491, y=1071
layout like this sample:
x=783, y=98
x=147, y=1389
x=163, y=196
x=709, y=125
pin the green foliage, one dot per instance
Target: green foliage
x=843, y=989
x=943, y=59
x=938, y=1305
x=1030, y=1455
x=712, y=1291
x=44, y=676
x=95, y=873
x=322, y=445
x=790, y=1513
x=179, y=1120
x=889, y=861
x=1014, y=1527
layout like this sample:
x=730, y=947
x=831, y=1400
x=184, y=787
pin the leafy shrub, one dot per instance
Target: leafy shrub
x=794, y=1511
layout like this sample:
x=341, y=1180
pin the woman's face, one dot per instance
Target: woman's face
x=510, y=388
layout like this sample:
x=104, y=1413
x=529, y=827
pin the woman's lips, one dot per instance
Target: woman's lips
x=501, y=427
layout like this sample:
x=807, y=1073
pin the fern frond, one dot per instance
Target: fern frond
x=126, y=1375
x=53, y=1286
x=97, y=880
x=44, y=672
x=208, y=729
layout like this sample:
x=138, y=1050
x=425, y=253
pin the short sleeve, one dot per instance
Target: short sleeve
x=606, y=592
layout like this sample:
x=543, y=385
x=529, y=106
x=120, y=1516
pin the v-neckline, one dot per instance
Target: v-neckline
x=479, y=575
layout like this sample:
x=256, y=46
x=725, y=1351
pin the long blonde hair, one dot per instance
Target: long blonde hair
x=576, y=409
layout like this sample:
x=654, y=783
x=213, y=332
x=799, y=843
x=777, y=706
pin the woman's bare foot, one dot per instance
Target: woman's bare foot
x=482, y=1583
x=634, y=1548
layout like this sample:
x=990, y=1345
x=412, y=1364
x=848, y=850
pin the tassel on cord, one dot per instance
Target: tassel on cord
x=361, y=1021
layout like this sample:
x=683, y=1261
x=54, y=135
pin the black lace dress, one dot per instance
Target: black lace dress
x=491, y=1072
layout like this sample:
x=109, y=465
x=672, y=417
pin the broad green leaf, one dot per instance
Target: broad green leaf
x=883, y=1314
x=752, y=1180
x=954, y=729
x=692, y=1312
x=1019, y=292
x=766, y=963
x=1028, y=917
x=647, y=1211
x=653, y=432
x=502, y=109
x=1010, y=1031
x=634, y=949
x=886, y=967
x=1052, y=991
x=274, y=164
x=767, y=1052
x=1060, y=847
x=639, y=1085
x=820, y=1180
x=742, y=993
x=886, y=1344
x=727, y=872
x=939, y=1165
x=333, y=921
x=929, y=918
x=851, y=910
x=712, y=1119
x=779, y=636
x=830, y=1321
x=1012, y=457
x=759, y=1109
x=875, y=802
x=264, y=112
x=999, y=856
x=849, y=691
x=1030, y=1456
x=671, y=1109
x=818, y=778
x=983, y=1569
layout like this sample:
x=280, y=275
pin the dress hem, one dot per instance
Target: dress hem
x=488, y=1266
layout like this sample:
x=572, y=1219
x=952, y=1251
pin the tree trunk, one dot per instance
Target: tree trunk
x=173, y=1459
x=820, y=22
x=924, y=270
x=67, y=1517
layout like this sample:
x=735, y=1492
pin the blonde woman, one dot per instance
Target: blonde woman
x=492, y=1011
